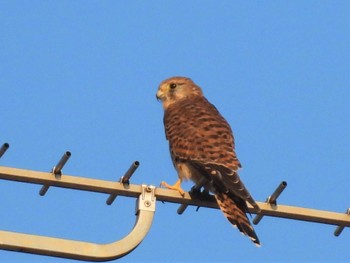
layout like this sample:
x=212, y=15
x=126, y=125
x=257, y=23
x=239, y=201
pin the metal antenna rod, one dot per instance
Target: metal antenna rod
x=271, y=200
x=194, y=190
x=340, y=228
x=4, y=148
x=57, y=171
x=125, y=180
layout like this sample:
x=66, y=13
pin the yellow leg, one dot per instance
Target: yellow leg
x=176, y=186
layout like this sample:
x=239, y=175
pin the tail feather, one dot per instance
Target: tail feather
x=235, y=210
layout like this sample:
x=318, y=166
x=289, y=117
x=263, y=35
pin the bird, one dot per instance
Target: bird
x=202, y=149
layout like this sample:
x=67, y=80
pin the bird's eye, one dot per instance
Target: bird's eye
x=172, y=85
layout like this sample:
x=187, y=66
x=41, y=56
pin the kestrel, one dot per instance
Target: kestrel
x=202, y=149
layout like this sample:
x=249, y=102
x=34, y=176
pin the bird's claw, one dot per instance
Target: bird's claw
x=176, y=187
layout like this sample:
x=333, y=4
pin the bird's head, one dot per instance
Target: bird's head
x=177, y=88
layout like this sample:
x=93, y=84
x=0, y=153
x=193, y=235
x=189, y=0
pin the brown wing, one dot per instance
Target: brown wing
x=199, y=135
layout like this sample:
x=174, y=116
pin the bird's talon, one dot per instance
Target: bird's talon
x=176, y=186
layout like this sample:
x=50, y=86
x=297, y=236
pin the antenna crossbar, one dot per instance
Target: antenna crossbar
x=166, y=195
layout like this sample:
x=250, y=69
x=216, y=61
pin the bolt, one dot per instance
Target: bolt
x=147, y=203
x=148, y=189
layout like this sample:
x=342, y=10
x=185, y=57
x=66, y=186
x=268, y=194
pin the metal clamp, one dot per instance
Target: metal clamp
x=271, y=200
x=147, y=199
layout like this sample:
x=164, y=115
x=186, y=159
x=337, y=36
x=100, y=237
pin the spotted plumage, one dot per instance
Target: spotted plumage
x=202, y=145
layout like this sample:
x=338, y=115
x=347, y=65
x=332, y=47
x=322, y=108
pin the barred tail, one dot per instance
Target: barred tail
x=235, y=210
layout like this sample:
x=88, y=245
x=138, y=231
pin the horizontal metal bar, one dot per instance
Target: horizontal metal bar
x=109, y=187
x=67, y=181
x=305, y=214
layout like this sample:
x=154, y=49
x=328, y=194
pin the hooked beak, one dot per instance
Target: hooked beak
x=159, y=95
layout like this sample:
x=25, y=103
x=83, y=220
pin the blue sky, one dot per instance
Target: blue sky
x=82, y=76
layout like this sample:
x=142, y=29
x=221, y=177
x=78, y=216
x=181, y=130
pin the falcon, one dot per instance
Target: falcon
x=201, y=146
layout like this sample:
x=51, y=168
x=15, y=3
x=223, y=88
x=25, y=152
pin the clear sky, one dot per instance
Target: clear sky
x=82, y=76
